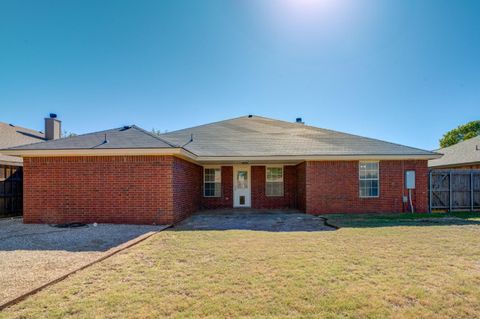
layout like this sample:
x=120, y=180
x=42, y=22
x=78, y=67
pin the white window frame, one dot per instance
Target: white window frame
x=368, y=179
x=210, y=182
x=282, y=182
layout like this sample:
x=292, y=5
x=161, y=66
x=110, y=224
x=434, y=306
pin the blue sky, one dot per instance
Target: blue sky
x=404, y=71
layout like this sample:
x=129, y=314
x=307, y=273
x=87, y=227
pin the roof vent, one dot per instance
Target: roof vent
x=250, y=116
x=299, y=120
x=53, y=115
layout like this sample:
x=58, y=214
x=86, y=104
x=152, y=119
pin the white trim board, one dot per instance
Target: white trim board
x=246, y=160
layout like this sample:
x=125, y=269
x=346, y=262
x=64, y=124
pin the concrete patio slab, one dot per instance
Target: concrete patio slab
x=248, y=219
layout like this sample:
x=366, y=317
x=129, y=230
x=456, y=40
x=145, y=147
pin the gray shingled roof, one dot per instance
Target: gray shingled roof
x=127, y=137
x=259, y=136
x=12, y=135
x=244, y=136
x=465, y=152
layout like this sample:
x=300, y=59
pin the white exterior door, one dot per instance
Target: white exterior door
x=241, y=186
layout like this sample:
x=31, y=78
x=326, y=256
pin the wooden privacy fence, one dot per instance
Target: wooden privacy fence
x=10, y=190
x=454, y=190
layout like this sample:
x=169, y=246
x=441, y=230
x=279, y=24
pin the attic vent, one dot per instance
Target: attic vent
x=11, y=125
x=126, y=127
x=250, y=116
x=299, y=120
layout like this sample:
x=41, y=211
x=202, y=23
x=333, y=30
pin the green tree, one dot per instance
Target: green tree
x=461, y=133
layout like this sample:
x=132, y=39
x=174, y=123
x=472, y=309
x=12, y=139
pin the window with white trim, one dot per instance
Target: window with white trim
x=369, y=179
x=212, y=182
x=274, y=181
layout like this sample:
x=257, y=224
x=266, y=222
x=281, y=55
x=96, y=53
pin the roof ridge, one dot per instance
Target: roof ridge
x=154, y=136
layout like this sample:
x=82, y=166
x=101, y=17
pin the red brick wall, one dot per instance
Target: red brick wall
x=332, y=187
x=187, y=188
x=261, y=200
x=226, y=200
x=165, y=189
x=105, y=189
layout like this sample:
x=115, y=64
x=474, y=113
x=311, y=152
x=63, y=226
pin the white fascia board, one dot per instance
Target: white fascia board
x=180, y=152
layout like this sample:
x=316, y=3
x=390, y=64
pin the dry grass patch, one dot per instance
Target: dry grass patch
x=368, y=272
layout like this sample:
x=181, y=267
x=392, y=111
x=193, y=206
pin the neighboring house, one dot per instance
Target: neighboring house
x=129, y=175
x=11, y=166
x=463, y=155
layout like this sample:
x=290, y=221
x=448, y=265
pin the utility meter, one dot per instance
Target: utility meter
x=410, y=179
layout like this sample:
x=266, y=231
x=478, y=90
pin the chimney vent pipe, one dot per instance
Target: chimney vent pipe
x=299, y=120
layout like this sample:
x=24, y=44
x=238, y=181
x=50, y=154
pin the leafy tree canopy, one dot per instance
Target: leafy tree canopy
x=461, y=133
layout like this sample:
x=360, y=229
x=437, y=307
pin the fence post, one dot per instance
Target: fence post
x=450, y=191
x=471, y=191
x=430, y=191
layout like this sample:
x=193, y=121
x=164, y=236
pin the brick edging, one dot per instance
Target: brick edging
x=114, y=251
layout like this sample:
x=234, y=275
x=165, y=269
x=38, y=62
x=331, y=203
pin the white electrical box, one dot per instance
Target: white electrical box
x=410, y=179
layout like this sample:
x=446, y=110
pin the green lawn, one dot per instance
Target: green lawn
x=373, y=267
x=404, y=219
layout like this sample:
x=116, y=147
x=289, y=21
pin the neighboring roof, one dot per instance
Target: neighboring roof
x=466, y=152
x=260, y=136
x=12, y=135
x=127, y=137
x=11, y=160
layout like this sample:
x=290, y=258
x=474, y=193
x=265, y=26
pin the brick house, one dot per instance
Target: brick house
x=129, y=175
